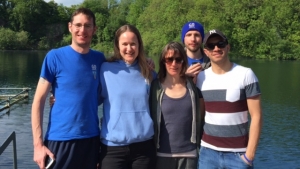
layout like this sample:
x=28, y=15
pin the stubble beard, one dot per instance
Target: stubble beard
x=193, y=50
x=83, y=45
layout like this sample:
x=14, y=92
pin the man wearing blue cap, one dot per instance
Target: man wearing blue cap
x=192, y=35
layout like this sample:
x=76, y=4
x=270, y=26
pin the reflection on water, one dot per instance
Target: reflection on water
x=18, y=120
x=279, y=145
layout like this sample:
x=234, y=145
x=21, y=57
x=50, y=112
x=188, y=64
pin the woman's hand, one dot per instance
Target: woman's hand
x=51, y=99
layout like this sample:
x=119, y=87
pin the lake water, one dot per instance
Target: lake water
x=279, y=145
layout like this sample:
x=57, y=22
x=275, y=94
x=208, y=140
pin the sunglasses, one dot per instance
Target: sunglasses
x=171, y=59
x=220, y=44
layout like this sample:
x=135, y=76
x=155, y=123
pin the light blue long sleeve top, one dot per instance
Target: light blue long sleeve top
x=125, y=95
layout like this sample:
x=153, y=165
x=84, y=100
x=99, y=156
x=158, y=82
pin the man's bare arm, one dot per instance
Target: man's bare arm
x=254, y=106
x=40, y=151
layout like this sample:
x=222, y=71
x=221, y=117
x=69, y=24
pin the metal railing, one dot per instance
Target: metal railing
x=11, y=138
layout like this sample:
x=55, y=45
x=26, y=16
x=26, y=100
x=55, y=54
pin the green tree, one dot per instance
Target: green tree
x=29, y=15
x=108, y=20
x=136, y=8
x=5, y=10
x=261, y=29
x=11, y=40
x=100, y=8
x=158, y=27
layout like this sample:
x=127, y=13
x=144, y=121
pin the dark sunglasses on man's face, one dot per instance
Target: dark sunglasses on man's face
x=211, y=46
x=171, y=59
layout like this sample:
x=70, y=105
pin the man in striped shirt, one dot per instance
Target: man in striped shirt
x=229, y=91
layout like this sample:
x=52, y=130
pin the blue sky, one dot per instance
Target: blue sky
x=67, y=3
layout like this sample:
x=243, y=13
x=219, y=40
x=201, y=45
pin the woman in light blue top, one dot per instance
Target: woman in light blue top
x=127, y=128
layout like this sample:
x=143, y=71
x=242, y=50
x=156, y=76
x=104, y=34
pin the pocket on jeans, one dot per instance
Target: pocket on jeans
x=242, y=160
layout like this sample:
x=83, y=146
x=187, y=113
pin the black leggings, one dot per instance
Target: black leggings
x=140, y=155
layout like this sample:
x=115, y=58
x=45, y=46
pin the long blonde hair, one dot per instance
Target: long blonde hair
x=141, y=58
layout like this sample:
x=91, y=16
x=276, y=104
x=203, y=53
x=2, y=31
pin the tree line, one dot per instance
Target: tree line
x=260, y=29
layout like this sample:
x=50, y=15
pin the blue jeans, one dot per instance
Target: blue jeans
x=211, y=159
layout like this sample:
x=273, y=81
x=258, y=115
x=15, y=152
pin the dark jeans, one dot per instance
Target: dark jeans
x=140, y=155
x=75, y=154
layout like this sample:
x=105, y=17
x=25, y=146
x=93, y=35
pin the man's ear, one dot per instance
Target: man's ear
x=228, y=48
x=69, y=26
x=206, y=52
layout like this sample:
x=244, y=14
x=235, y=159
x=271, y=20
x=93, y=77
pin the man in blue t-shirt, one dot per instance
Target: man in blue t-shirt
x=72, y=72
x=192, y=35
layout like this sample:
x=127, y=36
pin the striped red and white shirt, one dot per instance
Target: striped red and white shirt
x=226, y=110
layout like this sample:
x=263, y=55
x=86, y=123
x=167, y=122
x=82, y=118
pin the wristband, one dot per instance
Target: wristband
x=249, y=161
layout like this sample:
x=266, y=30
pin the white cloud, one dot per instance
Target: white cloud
x=67, y=3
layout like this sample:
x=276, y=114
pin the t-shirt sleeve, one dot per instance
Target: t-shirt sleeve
x=251, y=84
x=48, y=67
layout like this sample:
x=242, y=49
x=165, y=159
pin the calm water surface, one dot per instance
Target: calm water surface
x=279, y=145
